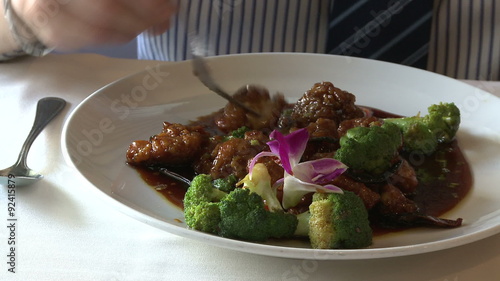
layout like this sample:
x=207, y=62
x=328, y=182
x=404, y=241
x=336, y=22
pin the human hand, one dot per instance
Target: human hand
x=73, y=24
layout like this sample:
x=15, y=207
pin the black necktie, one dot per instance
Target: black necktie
x=388, y=30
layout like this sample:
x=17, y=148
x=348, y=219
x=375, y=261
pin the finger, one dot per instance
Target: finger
x=154, y=9
x=159, y=28
x=69, y=32
x=111, y=15
x=126, y=17
x=79, y=34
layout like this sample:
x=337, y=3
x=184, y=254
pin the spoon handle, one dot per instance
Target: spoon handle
x=46, y=110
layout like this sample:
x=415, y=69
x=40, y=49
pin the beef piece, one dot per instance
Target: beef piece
x=393, y=201
x=323, y=128
x=255, y=135
x=232, y=156
x=370, y=198
x=405, y=178
x=323, y=140
x=272, y=164
x=324, y=100
x=175, y=145
x=345, y=125
x=232, y=117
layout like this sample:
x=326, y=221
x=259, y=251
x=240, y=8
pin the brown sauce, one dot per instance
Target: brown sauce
x=171, y=189
x=444, y=180
x=444, y=177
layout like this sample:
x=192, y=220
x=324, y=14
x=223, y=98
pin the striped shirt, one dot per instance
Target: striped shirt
x=241, y=26
x=464, y=39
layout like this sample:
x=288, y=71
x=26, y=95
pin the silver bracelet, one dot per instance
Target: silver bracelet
x=23, y=35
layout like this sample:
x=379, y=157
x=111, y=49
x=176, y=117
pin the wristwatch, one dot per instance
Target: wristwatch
x=23, y=35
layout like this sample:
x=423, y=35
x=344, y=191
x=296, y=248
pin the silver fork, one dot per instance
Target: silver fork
x=200, y=70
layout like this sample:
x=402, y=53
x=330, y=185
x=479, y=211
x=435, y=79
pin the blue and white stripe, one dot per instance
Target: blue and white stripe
x=466, y=39
x=241, y=26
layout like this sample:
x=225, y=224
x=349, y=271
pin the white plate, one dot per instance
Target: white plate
x=100, y=129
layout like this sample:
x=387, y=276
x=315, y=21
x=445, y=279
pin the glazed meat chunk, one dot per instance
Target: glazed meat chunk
x=370, y=198
x=232, y=156
x=393, y=201
x=175, y=145
x=405, y=178
x=232, y=117
x=358, y=122
x=324, y=100
x=323, y=128
x=323, y=140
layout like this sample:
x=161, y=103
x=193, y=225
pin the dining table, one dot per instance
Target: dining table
x=64, y=231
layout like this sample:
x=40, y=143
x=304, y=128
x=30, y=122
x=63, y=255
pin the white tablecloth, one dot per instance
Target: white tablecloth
x=64, y=233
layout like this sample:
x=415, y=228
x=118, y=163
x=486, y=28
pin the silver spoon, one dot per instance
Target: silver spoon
x=19, y=174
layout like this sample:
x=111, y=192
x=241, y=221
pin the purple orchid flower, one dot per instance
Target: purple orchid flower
x=301, y=177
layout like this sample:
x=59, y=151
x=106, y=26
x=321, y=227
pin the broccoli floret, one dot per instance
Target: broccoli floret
x=425, y=133
x=239, y=214
x=244, y=216
x=226, y=184
x=370, y=150
x=259, y=181
x=201, y=207
x=336, y=221
x=416, y=135
x=443, y=120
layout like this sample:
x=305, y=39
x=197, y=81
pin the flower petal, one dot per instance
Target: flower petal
x=256, y=157
x=320, y=171
x=280, y=148
x=330, y=188
x=294, y=189
x=300, y=178
x=290, y=147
